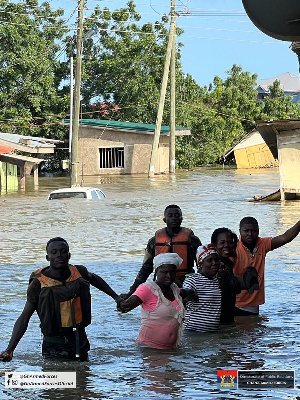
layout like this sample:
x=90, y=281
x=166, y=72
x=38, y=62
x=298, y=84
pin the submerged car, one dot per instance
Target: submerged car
x=77, y=192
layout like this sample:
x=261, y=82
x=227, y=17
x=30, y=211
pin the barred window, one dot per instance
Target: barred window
x=111, y=157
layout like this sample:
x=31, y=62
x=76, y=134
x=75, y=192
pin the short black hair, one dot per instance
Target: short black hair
x=248, y=220
x=171, y=206
x=56, y=239
x=218, y=231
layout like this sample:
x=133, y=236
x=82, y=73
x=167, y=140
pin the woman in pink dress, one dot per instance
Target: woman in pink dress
x=162, y=308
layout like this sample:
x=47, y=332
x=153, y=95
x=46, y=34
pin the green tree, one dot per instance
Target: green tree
x=226, y=113
x=279, y=106
x=30, y=67
x=123, y=68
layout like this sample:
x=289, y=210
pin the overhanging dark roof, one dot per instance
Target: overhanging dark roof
x=268, y=133
x=270, y=129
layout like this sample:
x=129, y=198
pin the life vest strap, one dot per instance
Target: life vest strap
x=170, y=243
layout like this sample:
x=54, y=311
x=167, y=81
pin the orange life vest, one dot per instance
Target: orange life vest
x=177, y=244
x=63, y=305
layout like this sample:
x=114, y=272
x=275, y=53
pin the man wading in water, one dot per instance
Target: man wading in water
x=251, y=251
x=172, y=239
x=60, y=293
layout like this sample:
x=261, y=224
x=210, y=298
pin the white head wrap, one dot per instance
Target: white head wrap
x=204, y=251
x=167, y=258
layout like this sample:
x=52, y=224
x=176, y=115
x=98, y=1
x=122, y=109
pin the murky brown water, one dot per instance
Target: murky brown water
x=109, y=237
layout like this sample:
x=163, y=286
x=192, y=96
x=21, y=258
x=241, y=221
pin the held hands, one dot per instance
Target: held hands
x=129, y=304
x=124, y=306
x=125, y=295
x=118, y=301
x=6, y=356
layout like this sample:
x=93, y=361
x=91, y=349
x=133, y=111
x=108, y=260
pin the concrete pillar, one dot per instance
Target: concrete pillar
x=36, y=175
x=22, y=177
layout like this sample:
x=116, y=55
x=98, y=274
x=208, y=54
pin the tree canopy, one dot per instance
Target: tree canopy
x=122, y=69
x=227, y=113
x=29, y=67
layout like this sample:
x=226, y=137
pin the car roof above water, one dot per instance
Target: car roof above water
x=77, y=192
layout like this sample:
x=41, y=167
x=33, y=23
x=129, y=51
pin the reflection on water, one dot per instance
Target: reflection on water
x=109, y=237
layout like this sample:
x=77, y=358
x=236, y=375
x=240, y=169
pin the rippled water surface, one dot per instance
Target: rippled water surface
x=109, y=237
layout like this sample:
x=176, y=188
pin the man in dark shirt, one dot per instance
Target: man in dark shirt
x=61, y=296
x=172, y=239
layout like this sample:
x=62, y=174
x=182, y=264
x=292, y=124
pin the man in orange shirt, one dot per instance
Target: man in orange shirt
x=251, y=251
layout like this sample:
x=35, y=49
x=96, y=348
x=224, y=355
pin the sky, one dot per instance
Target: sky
x=217, y=34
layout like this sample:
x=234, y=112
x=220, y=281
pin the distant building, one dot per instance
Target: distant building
x=252, y=152
x=13, y=164
x=117, y=147
x=289, y=83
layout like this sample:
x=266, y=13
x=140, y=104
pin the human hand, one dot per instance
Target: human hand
x=125, y=295
x=124, y=306
x=6, y=356
x=118, y=301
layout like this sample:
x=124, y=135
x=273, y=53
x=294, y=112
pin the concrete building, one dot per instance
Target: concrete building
x=116, y=147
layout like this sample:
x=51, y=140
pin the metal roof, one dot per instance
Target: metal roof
x=243, y=143
x=288, y=82
x=28, y=144
x=32, y=141
x=130, y=126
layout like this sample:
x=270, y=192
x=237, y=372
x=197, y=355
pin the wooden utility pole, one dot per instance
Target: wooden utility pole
x=162, y=98
x=172, y=95
x=71, y=104
x=75, y=130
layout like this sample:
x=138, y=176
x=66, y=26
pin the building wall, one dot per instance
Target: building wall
x=8, y=177
x=289, y=160
x=257, y=156
x=137, y=151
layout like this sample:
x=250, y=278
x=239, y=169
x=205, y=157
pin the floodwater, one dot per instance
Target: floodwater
x=109, y=237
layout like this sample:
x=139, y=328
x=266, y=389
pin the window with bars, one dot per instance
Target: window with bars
x=111, y=157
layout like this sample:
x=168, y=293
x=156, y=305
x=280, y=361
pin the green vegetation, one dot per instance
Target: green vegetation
x=121, y=77
x=29, y=68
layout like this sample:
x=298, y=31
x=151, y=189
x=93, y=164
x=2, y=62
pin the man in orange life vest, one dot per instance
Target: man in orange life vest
x=172, y=239
x=60, y=293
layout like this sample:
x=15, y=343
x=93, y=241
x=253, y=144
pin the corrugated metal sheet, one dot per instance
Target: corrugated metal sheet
x=288, y=82
x=252, y=139
x=129, y=126
x=31, y=141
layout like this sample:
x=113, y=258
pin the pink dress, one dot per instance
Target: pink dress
x=161, y=319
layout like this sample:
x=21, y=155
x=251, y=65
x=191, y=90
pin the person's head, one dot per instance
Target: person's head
x=165, y=266
x=249, y=230
x=208, y=260
x=225, y=241
x=173, y=216
x=58, y=253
